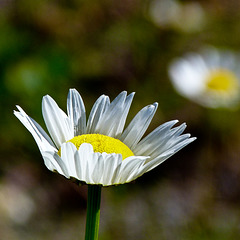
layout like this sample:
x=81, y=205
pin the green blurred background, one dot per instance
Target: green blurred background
x=104, y=47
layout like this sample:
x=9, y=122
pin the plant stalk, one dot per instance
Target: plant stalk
x=93, y=212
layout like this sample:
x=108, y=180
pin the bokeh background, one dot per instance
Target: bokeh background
x=47, y=47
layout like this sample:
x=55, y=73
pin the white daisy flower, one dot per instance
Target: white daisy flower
x=210, y=79
x=100, y=151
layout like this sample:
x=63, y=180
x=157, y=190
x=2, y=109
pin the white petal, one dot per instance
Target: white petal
x=170, y=140
x=68, y=151
x=76, y=112
x=86, y=154
x=129, y=168
x=96, y=159
x=111, y=116
x=98, y=169
x=165, y=155
x=153, y=140
x=57, y=122
x=111, y=161
x=46, y=147
x=117, y=167
x=124, y=114
x=43, y=141
x=137, y=127
x=181, y=143
x=54, y=162
x=114, y=117
x=154, y=162
x=42, y=132
x=78, y=165
x=160, y=140
x=96, y=113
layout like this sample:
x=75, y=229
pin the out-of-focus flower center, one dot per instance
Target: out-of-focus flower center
x=222, y=80
x=102, y=143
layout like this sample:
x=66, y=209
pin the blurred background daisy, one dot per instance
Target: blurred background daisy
x=105, y=47
x=211, y=78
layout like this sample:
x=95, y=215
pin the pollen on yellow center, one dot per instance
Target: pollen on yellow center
x=222, y=80
x=102, y=143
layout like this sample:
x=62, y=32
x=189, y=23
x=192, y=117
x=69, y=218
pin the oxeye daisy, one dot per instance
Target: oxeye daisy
x=210, y=78
x=99, y=150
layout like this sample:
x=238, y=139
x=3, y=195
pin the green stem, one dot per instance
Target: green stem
x=93, y=212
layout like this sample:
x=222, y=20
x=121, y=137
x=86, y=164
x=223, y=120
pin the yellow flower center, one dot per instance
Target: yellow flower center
x=102, y=143
x=222, y=80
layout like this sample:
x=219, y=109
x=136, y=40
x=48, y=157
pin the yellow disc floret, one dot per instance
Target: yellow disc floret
x=222, y=80
x=102, y=143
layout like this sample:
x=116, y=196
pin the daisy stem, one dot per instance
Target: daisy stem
x=93, y=212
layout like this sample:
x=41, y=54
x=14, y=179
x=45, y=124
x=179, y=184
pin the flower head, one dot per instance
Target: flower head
x=99, y=150
x=211, y=78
